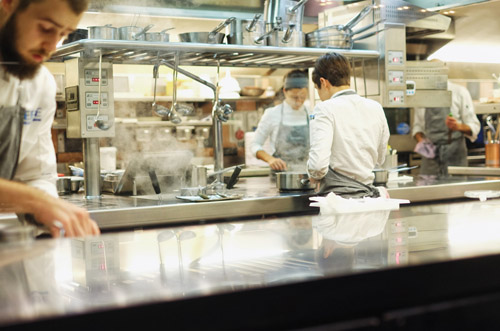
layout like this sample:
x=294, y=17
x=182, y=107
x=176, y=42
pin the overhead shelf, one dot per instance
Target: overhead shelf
x=196, y=54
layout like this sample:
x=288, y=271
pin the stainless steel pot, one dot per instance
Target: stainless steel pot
x=63, y=185
x=161, y=36
x=286, y=38
x=246, y=32
x=212, y=37
x=381, y=176
x=133, y=32
x=103, y=32
x=293, y=181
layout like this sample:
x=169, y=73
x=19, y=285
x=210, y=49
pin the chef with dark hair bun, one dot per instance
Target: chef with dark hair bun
x=286, y=126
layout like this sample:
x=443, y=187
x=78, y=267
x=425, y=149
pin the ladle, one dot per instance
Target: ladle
x=174, y=117
x=489, y=122
x=102, y=125
x=160, y=110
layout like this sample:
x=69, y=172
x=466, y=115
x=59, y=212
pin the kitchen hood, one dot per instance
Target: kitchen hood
x=477, y=35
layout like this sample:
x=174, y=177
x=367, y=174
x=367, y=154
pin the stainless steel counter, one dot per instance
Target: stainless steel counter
x=260, y=197
x=379, y=267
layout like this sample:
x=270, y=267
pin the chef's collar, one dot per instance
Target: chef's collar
x=346, y=91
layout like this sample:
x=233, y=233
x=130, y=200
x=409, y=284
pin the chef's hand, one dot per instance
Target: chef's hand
x=328, y=247
x=316, y=183
x=277, y=164
x=76, y=221
x=452, y=123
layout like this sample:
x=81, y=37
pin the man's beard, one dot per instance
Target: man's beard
x=13, y=62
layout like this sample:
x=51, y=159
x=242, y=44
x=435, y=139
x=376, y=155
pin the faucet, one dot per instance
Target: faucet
x=220, y=113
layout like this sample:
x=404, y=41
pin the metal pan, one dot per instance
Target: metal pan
x=212, y=37
x=339, y=35
x=293, y=181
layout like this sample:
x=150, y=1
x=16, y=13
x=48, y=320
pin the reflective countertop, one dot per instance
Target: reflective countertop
x=55, y=278
x=260, y=197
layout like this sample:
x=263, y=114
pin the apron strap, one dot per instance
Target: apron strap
x=345, y=186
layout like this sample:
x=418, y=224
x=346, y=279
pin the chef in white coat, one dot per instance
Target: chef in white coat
x=286, y=126
x=29, y=33
x=349, y=133
x=445, y=129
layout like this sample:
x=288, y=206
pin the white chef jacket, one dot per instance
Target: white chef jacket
x=37, y=159
x=349, y=133
x=462, y=109
x=270, y=122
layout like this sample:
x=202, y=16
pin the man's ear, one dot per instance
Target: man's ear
x=324, y=82
x=9, y=6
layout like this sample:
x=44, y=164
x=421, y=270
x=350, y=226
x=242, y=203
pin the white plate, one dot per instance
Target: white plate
x=482, y=194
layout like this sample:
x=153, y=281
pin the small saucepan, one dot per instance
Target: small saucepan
x=134, y=32
x=293, y=181
x=381, y=177
x=161, y=36
x=212, y=37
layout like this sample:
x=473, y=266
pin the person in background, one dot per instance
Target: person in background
x=29, y=33
x=440, y=132
x=349, y=133
x=286, y=125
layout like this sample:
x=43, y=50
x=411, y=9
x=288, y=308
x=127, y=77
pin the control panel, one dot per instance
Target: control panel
x=395, y=71
x=89, y=98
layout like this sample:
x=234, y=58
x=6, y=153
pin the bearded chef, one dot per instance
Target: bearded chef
x=286, y=126
x=349, y=133
x=29, y=33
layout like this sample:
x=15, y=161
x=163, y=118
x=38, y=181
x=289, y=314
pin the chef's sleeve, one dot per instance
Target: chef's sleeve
x=263, y=132
x=321, y=139
x=418, y=121
x=468, y=115
x=39, y=167
x=384, y=140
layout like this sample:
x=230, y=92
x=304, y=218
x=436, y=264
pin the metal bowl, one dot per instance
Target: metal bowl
x=202, y=37
x=252, y=91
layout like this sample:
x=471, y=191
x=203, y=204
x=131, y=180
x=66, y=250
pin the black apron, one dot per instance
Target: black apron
x=292, y=143
x=11, y=128
x=345, y=186
x=451, y=149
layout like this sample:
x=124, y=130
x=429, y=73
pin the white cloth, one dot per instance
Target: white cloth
x=462, y=109
x=350, y=134
x=270, y=122
x=37, y=159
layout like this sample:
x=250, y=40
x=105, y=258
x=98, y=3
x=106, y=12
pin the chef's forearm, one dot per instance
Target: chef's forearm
x=18, y=198
x=465, y=129
x=264, y=156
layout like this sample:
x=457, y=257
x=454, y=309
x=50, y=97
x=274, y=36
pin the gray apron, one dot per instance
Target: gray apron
x=292, y=142
x=345, y=186
x=451, y=149
x=11, y=127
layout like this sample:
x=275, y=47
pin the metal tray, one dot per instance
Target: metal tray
x=212, y=197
